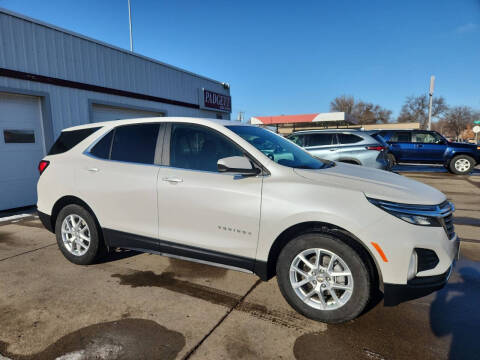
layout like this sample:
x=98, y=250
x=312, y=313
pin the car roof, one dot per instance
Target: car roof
x=194, y=120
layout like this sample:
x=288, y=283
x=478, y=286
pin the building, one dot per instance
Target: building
x=51, y=78
x=392, y=126
x=285, y=124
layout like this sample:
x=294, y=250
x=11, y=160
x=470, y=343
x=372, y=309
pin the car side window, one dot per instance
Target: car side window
x=297, y=139
x=320, y=139
x=427, y=137
x=401, y=137
x=199, y=148
x=102, y=148
x=348, y=138
x=135, y=143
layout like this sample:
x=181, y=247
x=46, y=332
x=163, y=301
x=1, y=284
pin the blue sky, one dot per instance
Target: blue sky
x=284, y=57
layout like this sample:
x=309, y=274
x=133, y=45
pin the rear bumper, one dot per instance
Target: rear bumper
x=418, y=287
x=46, y=221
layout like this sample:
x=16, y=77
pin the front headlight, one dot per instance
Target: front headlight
x=417, y=219
x=423, y=215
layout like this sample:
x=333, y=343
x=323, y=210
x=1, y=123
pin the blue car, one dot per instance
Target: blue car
x=429, y=147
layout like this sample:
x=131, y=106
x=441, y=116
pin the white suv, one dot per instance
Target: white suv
x=210, y=191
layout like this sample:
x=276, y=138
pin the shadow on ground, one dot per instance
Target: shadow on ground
x=122, y=339
x=444, y=323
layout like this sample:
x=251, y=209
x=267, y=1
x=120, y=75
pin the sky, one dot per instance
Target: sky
x=285, y=57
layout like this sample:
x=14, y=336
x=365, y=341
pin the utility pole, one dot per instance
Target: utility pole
x=240, y=116
x=130, y=25
x=432, y=85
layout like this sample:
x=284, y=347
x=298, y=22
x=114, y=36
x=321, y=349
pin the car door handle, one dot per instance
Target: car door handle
x=172, y=180
x=93, y=170
x=333, y=149
x=420, y=145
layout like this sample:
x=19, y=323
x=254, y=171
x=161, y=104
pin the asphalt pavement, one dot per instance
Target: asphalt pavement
x=141, y=306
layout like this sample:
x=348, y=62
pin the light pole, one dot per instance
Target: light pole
x=130, y=25
x=432, y=85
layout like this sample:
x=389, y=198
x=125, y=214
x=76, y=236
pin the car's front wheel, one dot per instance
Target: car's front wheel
x=462, y=164
x=323, y=278
x=77, y=235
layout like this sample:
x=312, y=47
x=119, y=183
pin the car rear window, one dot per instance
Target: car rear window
x=348, y=138
x=135, y=143
x=68, y=139
x=102, y=148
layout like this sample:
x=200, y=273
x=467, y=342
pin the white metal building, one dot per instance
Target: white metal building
x=51, y=78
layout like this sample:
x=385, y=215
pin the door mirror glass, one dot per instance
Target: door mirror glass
x=237, y=164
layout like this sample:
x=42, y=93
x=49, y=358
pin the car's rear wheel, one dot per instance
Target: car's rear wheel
x=323, y=278
x=78, y=235
x=391, y=160
x=462, y=164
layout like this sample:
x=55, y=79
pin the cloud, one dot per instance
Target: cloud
x=466, y=28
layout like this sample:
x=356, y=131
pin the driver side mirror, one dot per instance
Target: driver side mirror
x=238, y=165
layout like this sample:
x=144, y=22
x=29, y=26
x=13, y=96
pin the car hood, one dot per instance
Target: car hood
x=375, y=183
x=463, y=145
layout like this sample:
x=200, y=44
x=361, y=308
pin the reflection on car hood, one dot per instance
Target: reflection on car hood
x=463, y=145
x=375, y=183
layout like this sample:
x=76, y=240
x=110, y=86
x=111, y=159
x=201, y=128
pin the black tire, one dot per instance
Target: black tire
x=96, y=248
x=362, y=281
x=391, y=160
x=464, y=158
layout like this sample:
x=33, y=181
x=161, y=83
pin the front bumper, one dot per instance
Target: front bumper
x=418, y=287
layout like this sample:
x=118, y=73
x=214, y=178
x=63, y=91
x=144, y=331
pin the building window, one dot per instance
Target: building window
x=18, y=136
x=219, y=116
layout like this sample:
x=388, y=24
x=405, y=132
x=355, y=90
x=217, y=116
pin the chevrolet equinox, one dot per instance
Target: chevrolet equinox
x=239, y=196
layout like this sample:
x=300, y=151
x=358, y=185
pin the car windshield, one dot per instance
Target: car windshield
x=277, y=148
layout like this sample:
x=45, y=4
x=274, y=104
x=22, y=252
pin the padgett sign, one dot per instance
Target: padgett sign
x=218, y=101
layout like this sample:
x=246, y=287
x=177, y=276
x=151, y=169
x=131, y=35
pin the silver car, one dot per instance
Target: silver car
x=349, y=146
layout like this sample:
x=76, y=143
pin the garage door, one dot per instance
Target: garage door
x=106, y=113
x=21, y=148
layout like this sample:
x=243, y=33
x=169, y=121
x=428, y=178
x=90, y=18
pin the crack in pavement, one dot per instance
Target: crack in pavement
x=222, y=319
x=27, y=252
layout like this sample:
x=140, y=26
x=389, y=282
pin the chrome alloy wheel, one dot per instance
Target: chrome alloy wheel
x=462, y=165
x=321, y=279
x=75, y=235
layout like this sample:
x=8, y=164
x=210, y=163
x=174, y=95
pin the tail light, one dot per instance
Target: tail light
x=377, y=148
x=42, y=165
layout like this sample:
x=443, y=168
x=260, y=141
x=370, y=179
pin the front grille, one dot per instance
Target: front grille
x=447, y=220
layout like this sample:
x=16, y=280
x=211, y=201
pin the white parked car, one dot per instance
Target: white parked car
x=209, y=191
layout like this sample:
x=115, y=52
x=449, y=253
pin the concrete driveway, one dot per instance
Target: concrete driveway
x=140, y=306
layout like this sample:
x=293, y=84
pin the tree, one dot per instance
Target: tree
x=415, y=109
x=344, y=103
x=458, y=118
x=365, y=113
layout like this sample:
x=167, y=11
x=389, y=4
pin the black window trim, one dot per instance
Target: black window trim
x=166, y=150
x=158, y=147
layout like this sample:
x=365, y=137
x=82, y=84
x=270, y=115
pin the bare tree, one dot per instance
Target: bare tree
x=458, y=118
x=344, y=103
x=365, y=113
x=415, y=109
